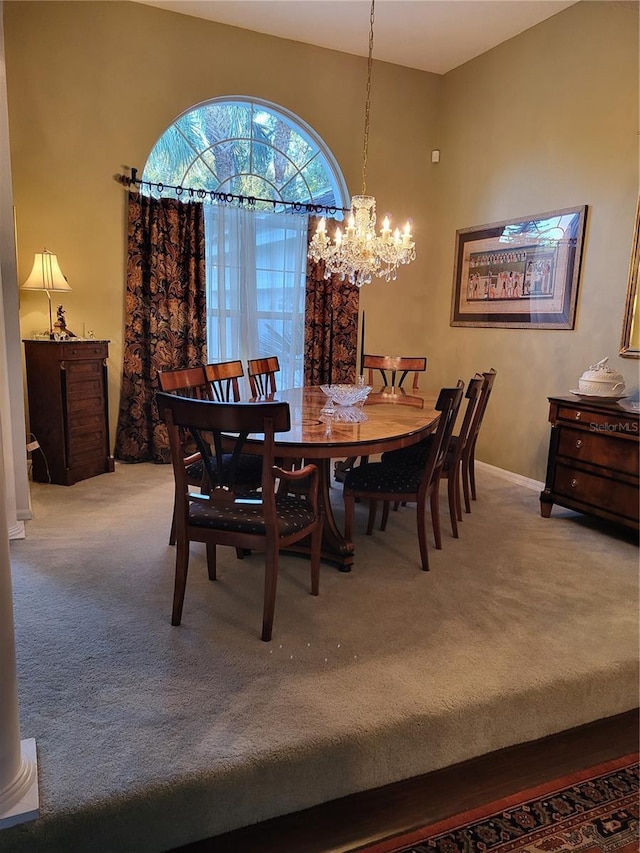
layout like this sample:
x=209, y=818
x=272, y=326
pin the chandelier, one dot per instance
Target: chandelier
x=359, y=253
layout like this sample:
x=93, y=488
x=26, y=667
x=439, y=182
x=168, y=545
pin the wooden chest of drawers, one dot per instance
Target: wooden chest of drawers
x=68, y=414
x=593, y=460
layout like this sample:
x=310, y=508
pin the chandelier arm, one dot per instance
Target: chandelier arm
x=367, y=104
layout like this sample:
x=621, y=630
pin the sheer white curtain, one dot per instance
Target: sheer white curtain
x=256, y=266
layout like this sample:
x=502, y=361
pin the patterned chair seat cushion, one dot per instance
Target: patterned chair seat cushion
x=384, y=477
x=293, y=514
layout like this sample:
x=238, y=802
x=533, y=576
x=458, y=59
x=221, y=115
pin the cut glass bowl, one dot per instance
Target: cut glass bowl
x=346, y=395
x=344, y=415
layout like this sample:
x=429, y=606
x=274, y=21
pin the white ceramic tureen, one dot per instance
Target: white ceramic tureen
x=601, y=381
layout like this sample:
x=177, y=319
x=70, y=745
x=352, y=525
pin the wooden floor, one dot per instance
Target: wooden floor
x=343, y=824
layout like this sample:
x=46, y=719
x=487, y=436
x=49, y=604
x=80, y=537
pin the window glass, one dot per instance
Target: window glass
x=247, y=148
x=256, y=258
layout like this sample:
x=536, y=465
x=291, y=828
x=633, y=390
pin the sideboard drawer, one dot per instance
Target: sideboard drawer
x=592, y=490
x=609, y=418
x=84, y=350
x=609, y=451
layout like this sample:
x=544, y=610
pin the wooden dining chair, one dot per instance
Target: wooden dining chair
x=223, y=377
x=393, y=369
x=385, y=481
x=265, y=521
x=451, y=469
x=468, y=455
x=188, y=382
x=262, y=375
x=210, y=383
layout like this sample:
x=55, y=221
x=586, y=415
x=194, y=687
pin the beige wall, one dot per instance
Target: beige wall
x=547, y=120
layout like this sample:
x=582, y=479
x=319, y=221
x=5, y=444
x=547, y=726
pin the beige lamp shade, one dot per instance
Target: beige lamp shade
x=46, y=274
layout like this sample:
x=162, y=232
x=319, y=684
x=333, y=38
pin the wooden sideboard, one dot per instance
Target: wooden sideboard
x=593, y=460
x=68, y=410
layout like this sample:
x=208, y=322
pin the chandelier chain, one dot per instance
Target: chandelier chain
x=367, y=104
x=359, y=254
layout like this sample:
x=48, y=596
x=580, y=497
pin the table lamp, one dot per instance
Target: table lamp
x=46, y=275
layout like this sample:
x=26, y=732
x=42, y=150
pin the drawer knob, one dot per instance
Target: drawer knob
x=574, y=483
x=579, y=443
x=578, y=415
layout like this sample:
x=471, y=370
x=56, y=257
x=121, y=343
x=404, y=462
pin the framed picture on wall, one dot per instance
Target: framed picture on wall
x=521, y=273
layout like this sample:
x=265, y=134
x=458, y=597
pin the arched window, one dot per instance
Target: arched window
x=256, y=256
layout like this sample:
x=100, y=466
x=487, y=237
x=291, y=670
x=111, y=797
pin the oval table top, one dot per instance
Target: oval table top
x=386, y=421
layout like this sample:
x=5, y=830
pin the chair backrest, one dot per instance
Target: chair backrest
x=223, y=378
x=472, y=396
x=481, y=408
x=394, y=369
x=213, y=427
x=262, y=375
x=188, y=382
x=448, y=403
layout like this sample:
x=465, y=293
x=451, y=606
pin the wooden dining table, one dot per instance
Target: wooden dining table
x=387, y=421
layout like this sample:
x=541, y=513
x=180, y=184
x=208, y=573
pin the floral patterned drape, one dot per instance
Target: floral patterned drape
x=330, y=325
x=165, y=324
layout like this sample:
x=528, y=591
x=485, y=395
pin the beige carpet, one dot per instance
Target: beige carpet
x=150, y=736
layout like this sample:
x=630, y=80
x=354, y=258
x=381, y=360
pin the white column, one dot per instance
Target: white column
x=17, y=496
x=18, y=769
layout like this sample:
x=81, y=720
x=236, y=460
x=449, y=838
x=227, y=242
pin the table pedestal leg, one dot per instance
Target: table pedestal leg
x=335, y=548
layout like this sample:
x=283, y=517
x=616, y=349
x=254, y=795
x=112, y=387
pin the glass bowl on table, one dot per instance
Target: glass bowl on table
x=345, y=394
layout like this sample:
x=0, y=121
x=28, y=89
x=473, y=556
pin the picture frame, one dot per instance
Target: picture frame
x=520, y=273
x=630, y=339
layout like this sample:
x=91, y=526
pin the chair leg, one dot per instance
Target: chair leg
x=458, y=494
x=349, y=507
x=435, y=517
x=182, y=566
x=172, y=535
x=472, y=473
x=270, y=583
x=316, y=546
x=373, y=506
x=465, y=484
x=421, y=511
x=453, y=508
x=385, y=515
x=211, y=561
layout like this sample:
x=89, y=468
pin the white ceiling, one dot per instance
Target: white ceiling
x=431, y=35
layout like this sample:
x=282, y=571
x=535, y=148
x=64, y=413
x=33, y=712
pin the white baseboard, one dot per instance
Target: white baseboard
x=534, y=485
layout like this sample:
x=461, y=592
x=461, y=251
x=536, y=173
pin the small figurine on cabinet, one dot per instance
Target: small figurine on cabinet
x=60, y=326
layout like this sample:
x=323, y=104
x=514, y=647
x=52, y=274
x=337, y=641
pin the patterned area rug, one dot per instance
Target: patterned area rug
x=595, y=811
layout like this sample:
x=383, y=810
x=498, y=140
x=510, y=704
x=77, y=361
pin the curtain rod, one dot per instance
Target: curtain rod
x=212, y=195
